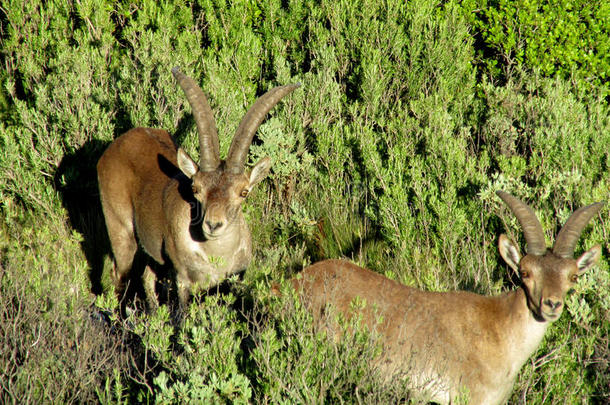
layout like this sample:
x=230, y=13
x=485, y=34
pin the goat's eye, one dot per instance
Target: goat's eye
x=195, y=189
x=574, y=278
x=524, y=274
x=244, y=193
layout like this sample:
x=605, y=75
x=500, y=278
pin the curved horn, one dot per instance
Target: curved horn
x=204, y=118
x=238, y=152
x=532, y=229
x=570, y=232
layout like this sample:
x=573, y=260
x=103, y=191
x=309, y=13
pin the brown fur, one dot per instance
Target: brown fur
x=154, y=194
x=146, y=198
x=454, y=344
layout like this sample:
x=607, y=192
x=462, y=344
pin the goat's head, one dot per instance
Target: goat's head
x=221, y=186
x=547, y=275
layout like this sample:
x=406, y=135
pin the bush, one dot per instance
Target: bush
x=206, y=367
x=53, y=348
x=567, y=39
x=296, y=363
x=389, y=155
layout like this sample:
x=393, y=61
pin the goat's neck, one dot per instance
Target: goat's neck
x=524, y=332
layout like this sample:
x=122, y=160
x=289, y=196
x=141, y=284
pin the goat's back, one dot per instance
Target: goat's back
x=138, y=153
x=425, y=335
x=132, y=174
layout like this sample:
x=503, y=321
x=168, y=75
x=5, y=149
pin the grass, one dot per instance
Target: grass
x=388, y=155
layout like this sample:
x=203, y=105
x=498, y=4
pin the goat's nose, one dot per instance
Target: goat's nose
x=553, y=303
x=213, y=225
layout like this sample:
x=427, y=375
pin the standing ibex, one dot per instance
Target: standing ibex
x=458, y=345
x=153, y=193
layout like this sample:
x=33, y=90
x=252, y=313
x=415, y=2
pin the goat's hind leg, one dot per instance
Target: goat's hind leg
x=124, y=247
x=149, y=281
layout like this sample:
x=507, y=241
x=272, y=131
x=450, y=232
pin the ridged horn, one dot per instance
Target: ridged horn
x=532, y=229
x=204, y=118
x=238, y=152
x=570, y=233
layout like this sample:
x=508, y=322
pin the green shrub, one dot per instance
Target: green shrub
x=567, y=39
x=52, y=347
x=389, y=154
x=295, y=363
x=206, y=367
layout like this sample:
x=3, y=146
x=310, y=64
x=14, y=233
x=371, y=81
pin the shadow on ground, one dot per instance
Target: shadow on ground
x=76, y=181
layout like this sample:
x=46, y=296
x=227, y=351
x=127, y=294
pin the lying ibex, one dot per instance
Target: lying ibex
x=457, y=345
x=153, y=193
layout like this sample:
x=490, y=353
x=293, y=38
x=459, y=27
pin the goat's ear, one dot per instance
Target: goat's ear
x=260, y=171
x=509, y=252
x=186, y=164
x=588, y=259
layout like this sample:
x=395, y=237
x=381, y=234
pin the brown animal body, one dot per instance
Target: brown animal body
x=455, y=345
x=154, y=194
